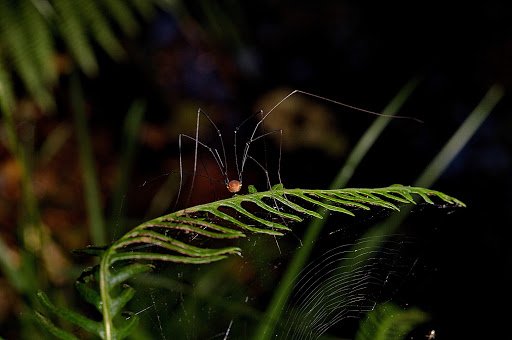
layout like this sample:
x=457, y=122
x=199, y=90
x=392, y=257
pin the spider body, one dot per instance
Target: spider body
x=234, y=186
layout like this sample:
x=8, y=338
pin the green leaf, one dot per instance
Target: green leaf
x=77, y=319
x=126, y=272
x=122, y=299
x=39, y=42
x=97, y=23
x=89, y=294
x=73, y=31
x=128, y=327
x=30, y=32
x=19, y=46
x=277, y=187
x=252, y=189
x=50, y=327
x=138, y=256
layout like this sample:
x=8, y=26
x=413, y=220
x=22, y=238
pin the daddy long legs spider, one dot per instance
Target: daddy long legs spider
x=234, y=185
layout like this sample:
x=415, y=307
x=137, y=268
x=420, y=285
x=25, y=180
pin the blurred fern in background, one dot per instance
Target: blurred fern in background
x=40, y=38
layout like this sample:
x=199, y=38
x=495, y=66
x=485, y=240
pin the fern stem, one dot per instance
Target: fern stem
x=91, y=191
x=105, y=294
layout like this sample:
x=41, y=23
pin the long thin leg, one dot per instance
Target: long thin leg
x=249, y=142
x=211, y=185
x=219, y=134
x=238, y=171
x=264, y=170
x=322, y=98
x=338, y=103
x=209, y=179
x=246, y=155
x=181, y=174
x=220, y=160
x=215, y=154
x=195, y=161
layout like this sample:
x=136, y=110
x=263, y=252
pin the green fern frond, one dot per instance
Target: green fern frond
x=54, y=330
x=122, y=14
x=73, y=31
x=18, y=45
x=338, y=200
x=31, y=30
x=100, y=28
x=88, y=286
x=40, y=41
x=223, y=219
x=78, y=319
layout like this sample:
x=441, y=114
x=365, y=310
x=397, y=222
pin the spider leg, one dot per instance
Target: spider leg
x=220, y=160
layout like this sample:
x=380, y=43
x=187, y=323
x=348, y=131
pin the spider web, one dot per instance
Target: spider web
x=345, y=282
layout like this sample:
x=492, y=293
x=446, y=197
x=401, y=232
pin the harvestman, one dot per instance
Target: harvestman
x=235, y=185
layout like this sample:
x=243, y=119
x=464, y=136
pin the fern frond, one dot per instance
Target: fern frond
x=100, y=28
x=338, y=200
x=223, y=219
x=94, y=327
x=31, y=30
x=18, y=45
x=122, y=14
x=40, y=41
x=50, y=327
x=88, y=286
x=73, y=32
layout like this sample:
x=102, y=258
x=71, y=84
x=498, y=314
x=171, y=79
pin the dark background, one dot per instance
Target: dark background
x=230, y=58
x=362, y=53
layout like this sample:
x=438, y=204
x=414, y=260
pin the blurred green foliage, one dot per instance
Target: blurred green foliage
x=42, y=39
